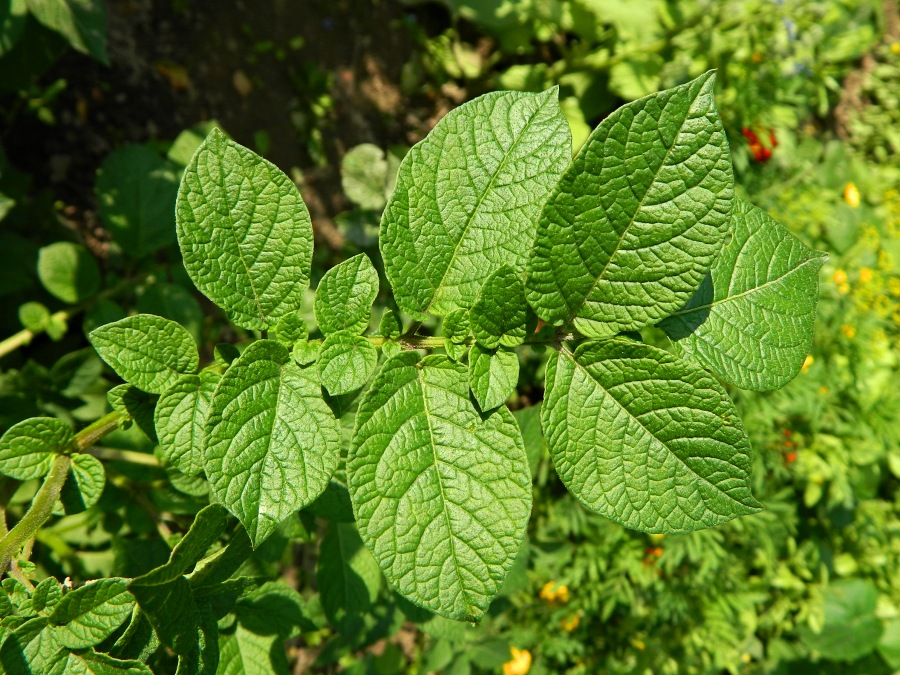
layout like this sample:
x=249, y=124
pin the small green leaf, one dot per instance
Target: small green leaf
x=89, y=614
x=346, y=573
x=34, y=316
x=346, y=362
x=93, y=663
x=500, y=313
x=645, y=439
x=305, y=352
x=442, y=496
x=391, y=326
x=27, y=448
x=219, y=567
x=83, y=485
x=81, y=22
x=468, y=198
x=634, y=224
x=367, y=177
x=68, y=271
x=456, y=326
x=139, y=641
x=275, y=609
x=272, y=442
x=136, y=191
x=493, y=375
x=46, y=596
x=180, y=420
x=148, y=351
x=290, y=329
x=244, y=232
x=345, y=295
x=138, y=405
x=751, y=321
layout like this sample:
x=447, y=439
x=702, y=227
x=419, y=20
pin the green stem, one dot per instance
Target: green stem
x=38, y=514
x=116, y=455
x=88, y=436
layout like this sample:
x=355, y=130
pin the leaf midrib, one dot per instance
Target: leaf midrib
x=481, y=199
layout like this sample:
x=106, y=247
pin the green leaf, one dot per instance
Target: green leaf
x=89, y=614
x=851, y=628
x=81, y=22
x=456, y=326
x=346, y=573
x=68, y=271
x=27, y=448
x=391, y=325
x=148, y=351
x=751, y=321
x=83, y=485
x=275, y=609
x=173, y=302
x=493, y=375
x=46, y=596
x=889, y=644
x=500, y=313
x=180, y=420
x=139, y=640
x=272, y=442
x=94, y=663
x=368, y=176
x=204, y=658
x=346, y=362
x=244, y=232
x=345, y=295
x=136, y=191
x=219, y=567
x=31, y=648
x=138, y=405
x=633, y=226
x=169, y=606
x=290, y=329
x=305, y=352
x=468, y=198
x=34, y=316
x=12, y=21
x=247, y=653
x=529, y=420
x=333, y=504
x=442, y=497
x=645, y=439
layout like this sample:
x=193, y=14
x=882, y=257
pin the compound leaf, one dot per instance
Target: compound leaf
x=346, y=362
x=468, y=198
x=148, y=351
x=442, y=497
x=90, y=614
x=634, y=224
x=27, y=448
x=645, y=439
x=493, y=375
x=500, y=314
x=751, y=321
x=345, y=295
x=272, y=442
x=180, y=420
x=83, y=485
x=346, y=573
x=244, y=232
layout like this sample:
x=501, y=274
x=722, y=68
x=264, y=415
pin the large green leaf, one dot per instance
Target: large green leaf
x=751, y=321
x=148, y=351
x=346, y=573
x=345, y=295
x=180, y=420
x=272, y=442
x=851, y=628
x=93, y=663
x=244, y=231
x=275, y=609
x=442, y=496
x=468, y=198
x=634, y=224
x=645, y=439
x=89, y=614
x=136, y=191
x=27, y=448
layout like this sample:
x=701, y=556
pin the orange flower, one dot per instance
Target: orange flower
x=839, y=277
x=520, y=663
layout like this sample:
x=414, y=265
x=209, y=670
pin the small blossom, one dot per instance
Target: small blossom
x=638, y=644
x=553, y=594
x=851, y=195
x=839, y=277
x=848, y=331
x=865, y=275
x=895, y=48
x=570, y=623
x=807, y=362
x=843, y=289
x=519, y=664
x=562, y=594
x=823, y=390
x=790, y=457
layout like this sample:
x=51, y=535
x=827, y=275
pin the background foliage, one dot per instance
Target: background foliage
x=102, y=109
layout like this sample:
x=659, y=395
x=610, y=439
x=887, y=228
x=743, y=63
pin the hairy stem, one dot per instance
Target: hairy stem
x=116, y=455
x=85, y=438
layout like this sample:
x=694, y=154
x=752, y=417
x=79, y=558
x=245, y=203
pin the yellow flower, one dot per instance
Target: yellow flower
x=553, y=594
x=520, y=663
x=547, y=592
x=839, y=277
x=638, y=644
x=865, y=275
x=807, y=362
x=851, y=195
x=843, y=289
x=562, y=594
x=823, y=390
x=570, y=623
x=848, y=331
x=895, y=48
